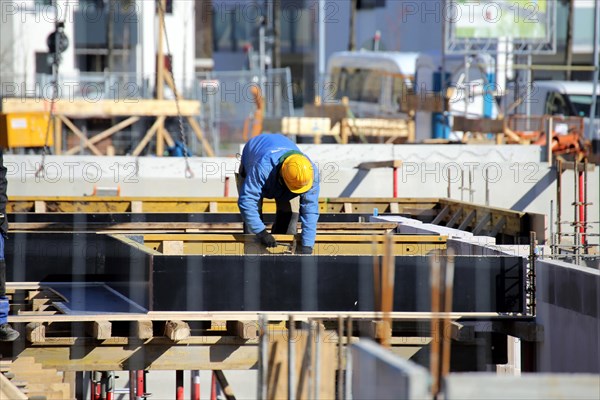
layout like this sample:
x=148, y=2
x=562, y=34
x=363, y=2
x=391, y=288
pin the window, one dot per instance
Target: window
x=357, y=84
x=583, y=104
x=556, y=105
x=401, y=88
x=371, y=90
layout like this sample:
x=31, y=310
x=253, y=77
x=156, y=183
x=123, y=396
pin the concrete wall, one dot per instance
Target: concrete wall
x=525, y=387
x=379, y=374
x=568, y=303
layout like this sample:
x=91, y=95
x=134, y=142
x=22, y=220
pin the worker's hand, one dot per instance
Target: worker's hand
x=267, y=239
x=304, y=250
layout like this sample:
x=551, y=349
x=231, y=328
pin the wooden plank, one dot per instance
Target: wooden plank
x=225, y=387
x=10, y=391
x=80, y=135
x=70, y=377
x=138, y=149
x=442, y=214
x=244, y=329
x=177, y=330
x=137, y=206
x=246, y=316
x=36, y=332
x=305, y=359
x=101, y=330
x=172, y=247
x=465, y=222
x=40, y=206
x=144, y=329
x=482, y=223
x=105, y=134
x=80, y=108
x=146, y=357
x=380, y=164
x=305, y=126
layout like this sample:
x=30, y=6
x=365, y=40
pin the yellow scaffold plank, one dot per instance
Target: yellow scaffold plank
x=333, y=245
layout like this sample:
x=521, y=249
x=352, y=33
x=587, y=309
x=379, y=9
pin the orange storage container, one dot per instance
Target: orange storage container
x=25, y=130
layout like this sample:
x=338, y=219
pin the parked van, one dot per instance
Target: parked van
x=374, y=82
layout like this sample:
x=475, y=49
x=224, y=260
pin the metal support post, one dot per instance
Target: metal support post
x=471, y=191
x=309, y=358
x=395, y=181
x=317, y=375
x=340, y=368
x=528, y=89
x=462, y=184
x=263, y=360
x=558, y=204
x=141, y=384
x=132, y=385
x=531, y=273
x=348, y=385
x=195, y=385
x=576, y=234
x=552, y=238
x=291, y=358
x=487, y=186
x=179, y=385
x=585, y=205
x=213, y=386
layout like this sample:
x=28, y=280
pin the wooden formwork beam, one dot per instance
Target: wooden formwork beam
x=80, y=108
x=326, y=244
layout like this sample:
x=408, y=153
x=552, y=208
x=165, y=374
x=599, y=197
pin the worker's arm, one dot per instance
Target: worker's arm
x=249, y=197
x=309, y=213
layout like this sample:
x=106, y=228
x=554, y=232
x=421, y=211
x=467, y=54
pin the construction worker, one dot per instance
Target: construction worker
x=274, y=168
x=7, y=333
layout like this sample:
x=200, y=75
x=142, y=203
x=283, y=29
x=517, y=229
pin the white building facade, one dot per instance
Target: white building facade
x=89, y=59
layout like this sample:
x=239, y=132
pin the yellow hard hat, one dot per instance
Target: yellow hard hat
x=297, y=173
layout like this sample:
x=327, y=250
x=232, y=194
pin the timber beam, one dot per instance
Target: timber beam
x=239, y=244
x=80, y=108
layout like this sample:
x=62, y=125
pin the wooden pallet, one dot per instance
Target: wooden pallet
x=31, y=379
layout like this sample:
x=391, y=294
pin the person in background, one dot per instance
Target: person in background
x=273, y=167
x=7, y=333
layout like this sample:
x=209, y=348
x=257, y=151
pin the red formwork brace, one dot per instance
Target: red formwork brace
x=141, y=386
x=213, y=387
x=195, y=395
x=95, y=387
x=395, y=172
x=582, y=201
x=226, y=190
x=179, y=385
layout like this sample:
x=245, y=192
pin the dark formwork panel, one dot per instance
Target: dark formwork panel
x=79, y=257
x=255, y=283
x=327, y=283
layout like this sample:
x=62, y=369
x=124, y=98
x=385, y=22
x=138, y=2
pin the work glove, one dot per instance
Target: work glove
x=304, y=250
x=266, y=239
